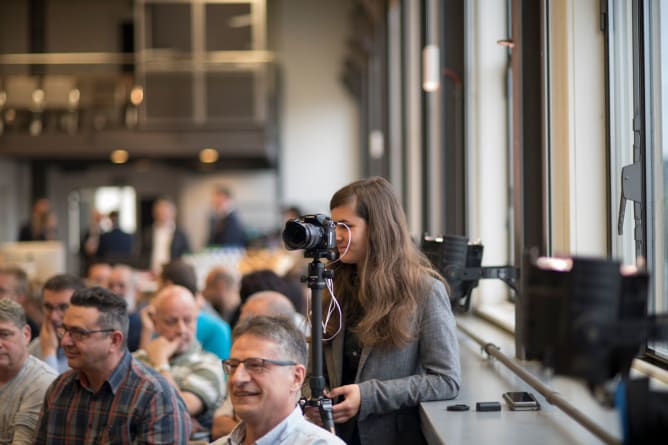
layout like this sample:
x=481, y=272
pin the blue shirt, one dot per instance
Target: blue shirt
x=214, y=334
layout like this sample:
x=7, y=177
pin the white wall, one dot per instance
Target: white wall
x=319, y=133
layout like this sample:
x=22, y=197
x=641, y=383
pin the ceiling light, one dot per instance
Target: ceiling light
x=208, y=155
x=119, y=156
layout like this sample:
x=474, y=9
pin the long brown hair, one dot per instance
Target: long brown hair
x=387, y=286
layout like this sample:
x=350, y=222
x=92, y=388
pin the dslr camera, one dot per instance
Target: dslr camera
x=313, y=233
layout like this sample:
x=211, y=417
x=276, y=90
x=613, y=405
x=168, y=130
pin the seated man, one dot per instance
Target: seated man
x=178, y=356
x=108, y=397
x=268, y=303
x=56, y=295
x=23, y=378
x=213, y=333
x=265, y=390
x=14, y=285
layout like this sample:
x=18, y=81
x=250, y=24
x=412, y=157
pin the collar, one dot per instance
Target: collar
x=115, y=378
x=277, y=435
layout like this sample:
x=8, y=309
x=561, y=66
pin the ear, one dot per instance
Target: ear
x=117, y=339
x=298, y=376
x=27, y=333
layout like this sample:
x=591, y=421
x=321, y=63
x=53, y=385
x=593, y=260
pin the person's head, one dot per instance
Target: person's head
x=221, y=288
x=123, y=282
x=181, y=273
x=268, y=303
x=94, y=330
x=14, y=338
x=164, y=211
x=267, y=279
x=265, y=393
x=13, y=283
x=222, y=199
x=114, y=218
x=291, y=212
x=378, y=229
x=56, y=295
x=98, y=274
x=175, y=315
x=41, y=206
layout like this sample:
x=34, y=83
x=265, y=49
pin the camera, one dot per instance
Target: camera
x=310, y=232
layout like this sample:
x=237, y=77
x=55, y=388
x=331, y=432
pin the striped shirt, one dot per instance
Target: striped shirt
x=21, y=400
x=134, y=405
x=200, y=373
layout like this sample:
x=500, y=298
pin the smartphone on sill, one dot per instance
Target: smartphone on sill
x=521, y=401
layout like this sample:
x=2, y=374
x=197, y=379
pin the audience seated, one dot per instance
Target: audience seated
x=123, y=282
x=108, y=397
x=266, y=389
x=15, y=286
x=178, y=356
x=98, y=274
x=56, y=295
x=263, y=303
x=267, y=279
x=23, y=378
x=221, y=291
x=213, y=333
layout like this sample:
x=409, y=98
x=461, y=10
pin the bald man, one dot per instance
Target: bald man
x=267, y=303
x=178, y=356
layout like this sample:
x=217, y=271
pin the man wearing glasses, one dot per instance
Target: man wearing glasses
x=108, y=397
x=56, y=295
x=265, y=373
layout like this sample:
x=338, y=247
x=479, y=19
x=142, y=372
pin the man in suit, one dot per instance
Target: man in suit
x=225, y=228
x=163, y=241
x=114, y=243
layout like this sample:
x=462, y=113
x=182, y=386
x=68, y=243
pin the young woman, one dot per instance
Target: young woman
x=393, y=344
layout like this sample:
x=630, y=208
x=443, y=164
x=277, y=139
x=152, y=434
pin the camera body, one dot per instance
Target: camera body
x=316, y=234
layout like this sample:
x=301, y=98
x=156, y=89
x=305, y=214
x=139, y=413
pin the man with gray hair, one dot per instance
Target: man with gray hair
x=23, y=378
x=266, y=370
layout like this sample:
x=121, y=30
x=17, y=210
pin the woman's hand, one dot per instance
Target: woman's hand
x=350, y=405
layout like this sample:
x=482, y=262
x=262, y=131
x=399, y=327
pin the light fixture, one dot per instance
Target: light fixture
x=208, y=155
x=119, y=156
x=137, y=96
x=431, y=78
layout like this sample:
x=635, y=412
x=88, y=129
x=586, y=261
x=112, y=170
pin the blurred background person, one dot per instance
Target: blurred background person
x=40, y=227
x=163, y=240
x=225, y=227
x=123, y=282
x=115, y=243
x=221, y=290
x=56, y=295
x=23, y=378
x=15, y=286
x=90, y=240
x=98, y=274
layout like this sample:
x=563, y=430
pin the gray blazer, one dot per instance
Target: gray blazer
x=393, y=382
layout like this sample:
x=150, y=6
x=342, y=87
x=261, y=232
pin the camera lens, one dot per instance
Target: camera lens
x=300, y=235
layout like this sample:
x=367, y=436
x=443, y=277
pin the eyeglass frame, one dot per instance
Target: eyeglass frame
x=79, y=334
x=227, y=364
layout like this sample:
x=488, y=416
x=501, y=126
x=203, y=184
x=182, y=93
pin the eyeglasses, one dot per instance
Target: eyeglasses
x=55, y=307
x=253, y=365
x=78, y=334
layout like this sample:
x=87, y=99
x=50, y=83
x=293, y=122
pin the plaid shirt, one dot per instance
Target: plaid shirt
x=134, y=406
